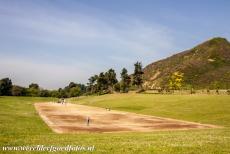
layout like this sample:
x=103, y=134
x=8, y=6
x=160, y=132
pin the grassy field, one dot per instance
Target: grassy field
x=21, y=125
x=212, y=109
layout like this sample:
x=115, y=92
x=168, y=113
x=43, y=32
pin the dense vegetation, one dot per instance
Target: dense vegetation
x=8, y=89
x=107, y=82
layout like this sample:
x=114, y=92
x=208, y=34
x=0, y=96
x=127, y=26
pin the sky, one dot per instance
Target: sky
x=54, y=42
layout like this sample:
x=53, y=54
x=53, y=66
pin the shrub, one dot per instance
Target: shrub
x=228, y=91
x=18, y=91
x=117, y=87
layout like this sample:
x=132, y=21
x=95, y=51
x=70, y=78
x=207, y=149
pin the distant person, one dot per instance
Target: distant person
x=87, y=121
x=62, y=101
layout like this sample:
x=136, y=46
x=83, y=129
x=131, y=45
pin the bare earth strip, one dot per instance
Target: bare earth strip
x=71, y=118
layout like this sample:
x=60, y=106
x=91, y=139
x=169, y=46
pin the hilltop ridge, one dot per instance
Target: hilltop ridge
x=207, y=65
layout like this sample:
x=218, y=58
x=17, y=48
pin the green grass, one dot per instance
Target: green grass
x=212, y=109
x=20, y=124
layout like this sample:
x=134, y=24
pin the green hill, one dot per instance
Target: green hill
x=205, y=66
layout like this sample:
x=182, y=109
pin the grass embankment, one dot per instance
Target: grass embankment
x=21, y=125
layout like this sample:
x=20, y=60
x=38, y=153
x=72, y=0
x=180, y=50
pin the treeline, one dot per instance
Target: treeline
x=8, y=89
x=106, y=82
x=103, y=83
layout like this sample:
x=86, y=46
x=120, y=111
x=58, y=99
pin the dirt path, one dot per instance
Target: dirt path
x=71, y=118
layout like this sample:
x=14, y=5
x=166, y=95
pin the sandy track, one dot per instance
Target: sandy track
x=71, y=118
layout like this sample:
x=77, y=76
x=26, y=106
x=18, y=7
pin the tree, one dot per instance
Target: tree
x=54, y=93
x=71, y=85
x=69, y=89
x=62, y=93
x=111, y=79
x=74, y=92
x=18, y=91
x=34, y=85
x=33, y=90
x=45, y=93
x=5, y=87
x=176, y=80
x=102, y=82
x=92, y=87
x=125, y=80
x=138, y=75
x=93, y=79
x=82, y=88
x=117, y=87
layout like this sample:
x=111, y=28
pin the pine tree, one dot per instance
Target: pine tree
x=111, y=79
x=138, y=75
x=125, y=80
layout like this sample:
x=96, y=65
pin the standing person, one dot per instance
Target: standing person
x=87, y=121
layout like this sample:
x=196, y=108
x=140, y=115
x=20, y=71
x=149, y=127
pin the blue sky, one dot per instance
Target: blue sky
x=53, y=42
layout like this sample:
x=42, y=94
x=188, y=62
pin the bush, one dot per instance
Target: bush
x=18, y=91
x=5, y=87
x=117, y=87
x=44, y=93
x=33, y=92
x=74, y=92
x=228, y=91
x=54, y=93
